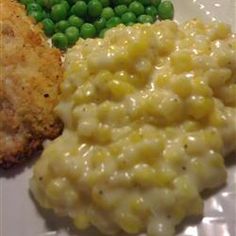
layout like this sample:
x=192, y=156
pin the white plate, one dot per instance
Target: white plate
x=19, y=215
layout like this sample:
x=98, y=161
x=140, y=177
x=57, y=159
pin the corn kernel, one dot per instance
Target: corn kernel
x=135, y=137
x=103, y=110
x=192, y=142
x=115, y=150
x=81, y=221
x=224, y=59
x=87, y=128
x=218, y=77
x=119, y=89
x=213, y=140
x=164, y=177
x=84, y=94
x=178, y=212
x=171, y=109
x=199, y=107
x=181, y=62
x=122, y=76
x=165, y=45
x=185, y=188
x=199, y=87
x=60, y=192
x=143, y=67
x=129, y=222
x=137, y=205
x=228, y=94
x=217, y=118
x=174, y=157
x=191, y=126
x=150, y=150
x=220, y=31
x=98, y=158
x=138, y=48
x=216, y=161
x=99, y=197
x=103, y=134
x=101, y=81
x=162, y=80
x=144, y=175
x=182, y=86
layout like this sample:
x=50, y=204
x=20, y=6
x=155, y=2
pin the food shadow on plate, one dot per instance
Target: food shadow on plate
x=19, y=168
x=190, y=221
x=230, y=160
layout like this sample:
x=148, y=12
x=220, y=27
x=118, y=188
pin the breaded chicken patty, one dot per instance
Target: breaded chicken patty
x=30, y=75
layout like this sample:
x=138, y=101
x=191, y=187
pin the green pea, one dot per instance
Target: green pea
x=59, y=40
x=26, y=2
x=34, y=7
x=61, y=26
x=120, y=2
x=72, y=2
x=87, y=30
x=79, y=9
x=107, y=13
x=46, y=14
x=94, y=8
x=48, y=27
x=40, y=2
x=145, y=19
x=120, y=9
x=156, y=3
x=102, y=32
x=50, y=3
x=72, y=34
x=128, y=17
x=100, y=24
x=75, y=21
x=105, y=3
x=137, y=8
x=37, y=15
x=66, y=4
x=151, y=11
x=166, y=10
x=145, y=2
x=113, y=21
x=58, y=12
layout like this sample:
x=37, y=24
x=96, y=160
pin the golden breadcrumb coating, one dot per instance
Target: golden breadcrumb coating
x=30, y=74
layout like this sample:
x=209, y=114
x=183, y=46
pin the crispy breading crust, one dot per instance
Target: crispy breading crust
x=30, y=75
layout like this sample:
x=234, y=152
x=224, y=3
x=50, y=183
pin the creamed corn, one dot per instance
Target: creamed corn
x=149, y=112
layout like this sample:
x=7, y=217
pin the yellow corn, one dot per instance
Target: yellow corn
x=182, y=86
x=119, y=89
x=199, y=107
x=129, y=222
x=181, y=62
x=81, y=220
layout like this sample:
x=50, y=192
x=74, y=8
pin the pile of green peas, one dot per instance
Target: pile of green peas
x=65, y=21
